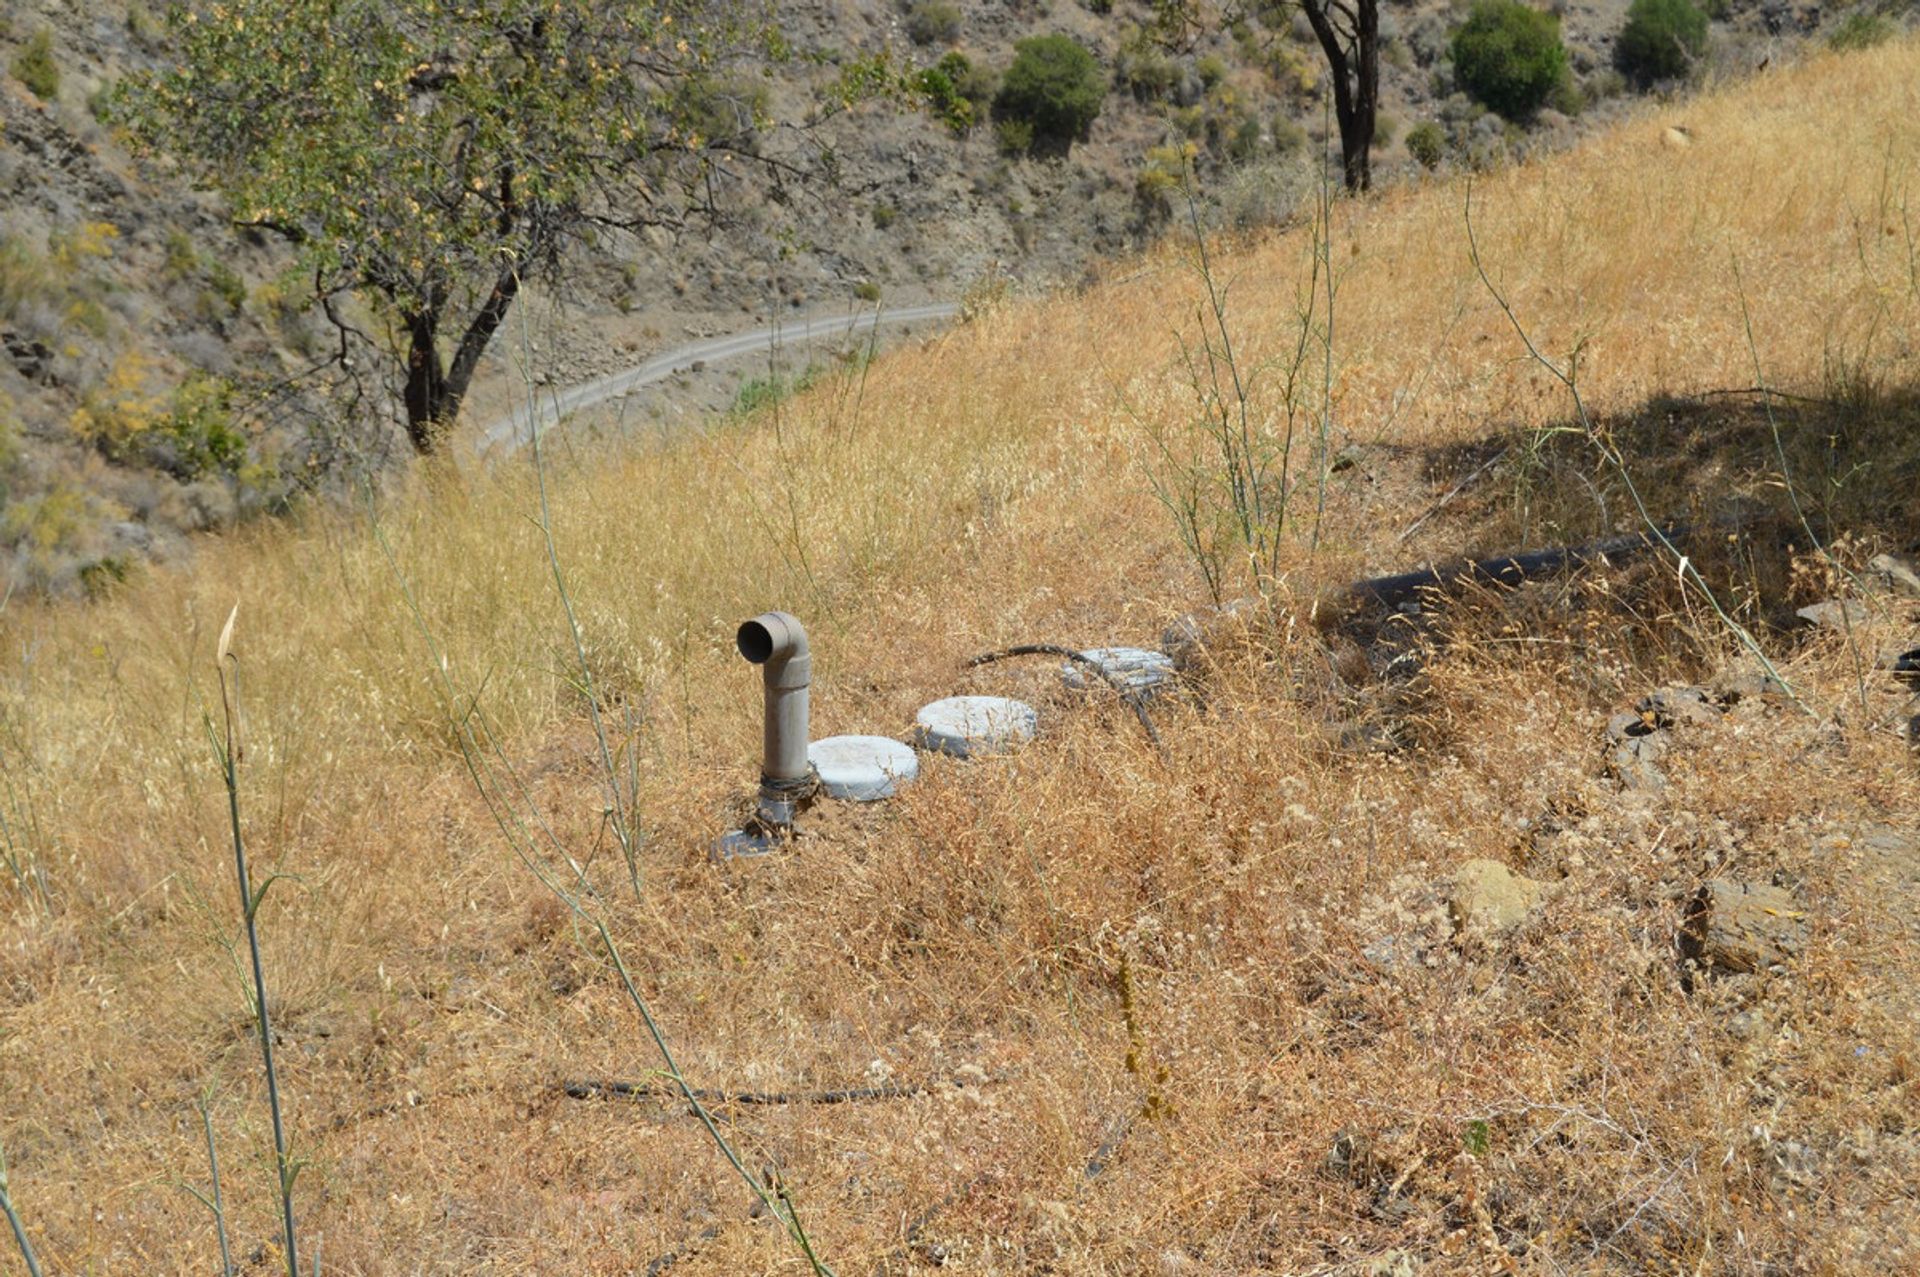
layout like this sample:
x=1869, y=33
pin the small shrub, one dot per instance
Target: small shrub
x=34, y=66
x=1054, y=87
x=198, y=436
x=1288, y=136
x=1142, y=68
x=1660, y=41
x=1211, y=69
x=1385, y=126
x=1509, y=56
x=1014, y=137
x=1244, y=143
x=1567, y=97
x=1427, y=144
x=867, y=291
x=944, y=100
x=933, y=22
x=148, y=31
x=1860, y=30
x=883, y=216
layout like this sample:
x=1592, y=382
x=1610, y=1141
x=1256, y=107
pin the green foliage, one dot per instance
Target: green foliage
x=1288, y=136
x=1660, y=41
x=1211, y=69
x=883, y=216
x=199, y=435
x=867, y=291
x=478, y=142
x=1054, y=87
x=1385, y=128
x=34, y=66
x=1244, y=142
x=759, y=393
x=933, y=22
x=1509, y=56
x=956, y=91
x=1860, y=30
x=1427, y=143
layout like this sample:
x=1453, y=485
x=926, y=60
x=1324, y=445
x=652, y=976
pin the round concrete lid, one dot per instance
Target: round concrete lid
x=1134, y=668
x=862, y=769
x=968, y=725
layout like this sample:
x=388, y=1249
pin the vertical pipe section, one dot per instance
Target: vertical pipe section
x=777, y=642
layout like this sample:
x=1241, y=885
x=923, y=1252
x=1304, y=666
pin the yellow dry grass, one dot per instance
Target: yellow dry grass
x=1097, y=940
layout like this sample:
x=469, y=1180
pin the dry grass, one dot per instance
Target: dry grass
x=1091, y=936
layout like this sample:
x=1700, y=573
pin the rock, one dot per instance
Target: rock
x=1627, y=724
x=1681, y=703
x=968, y=726
x=1906, y=668
x=1633, y=763
x=862, y=769
x=1489, y=899
x=33, y=358
x=1746, y=680
x=1393, y=1263
x=1898, y=572
x=1840, y=615
x=1140, y=672
x=1741, y=926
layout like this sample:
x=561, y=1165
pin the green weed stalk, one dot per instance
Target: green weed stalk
x=227, y=748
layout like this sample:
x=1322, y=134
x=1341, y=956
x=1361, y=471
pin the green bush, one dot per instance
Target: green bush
x=1054, y=87
x=1142, y=69
x=1015, y=137
x=1509, y=56
x=34, y=66
x=1860, y=31
x=933, y=22
x=1660, y=41
x=1427, y=143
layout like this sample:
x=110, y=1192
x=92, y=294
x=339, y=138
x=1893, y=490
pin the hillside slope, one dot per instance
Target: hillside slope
x=1235, y=1009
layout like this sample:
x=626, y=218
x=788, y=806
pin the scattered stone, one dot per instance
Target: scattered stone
x=1742, y=926
x=1839, y=615
x=1681, y=703
x=1392, y=1263
x=1634, y=760
x=1141, y=672
x=1745, y=1026
x=1899, y=572
x=968, y=726
x=34, y=359
x=862, y=769
x=1906, y=668
x=1489, y=899
x=1744, y=681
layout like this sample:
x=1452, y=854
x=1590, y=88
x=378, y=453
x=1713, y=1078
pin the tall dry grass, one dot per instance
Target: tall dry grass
x=984, y=488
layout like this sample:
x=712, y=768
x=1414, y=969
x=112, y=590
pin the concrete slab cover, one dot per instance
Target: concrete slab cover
x=968, y=725
x=1135, y=668
x=862, y=769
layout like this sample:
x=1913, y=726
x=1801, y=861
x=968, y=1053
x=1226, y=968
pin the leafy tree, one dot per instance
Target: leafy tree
x=1660, y=41
x=1054, y=86
x=430, y=156
x=1509, y=56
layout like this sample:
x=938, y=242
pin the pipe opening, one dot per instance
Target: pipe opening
x=755, y=642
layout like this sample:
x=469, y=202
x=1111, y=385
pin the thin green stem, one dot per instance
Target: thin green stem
x=250, y=907
x=13, y=1219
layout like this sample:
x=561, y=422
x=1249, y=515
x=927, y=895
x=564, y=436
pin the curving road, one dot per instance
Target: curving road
x=512, y=431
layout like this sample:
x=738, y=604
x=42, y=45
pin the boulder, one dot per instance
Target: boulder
x=1898, y=572
x=1489, y=899
x=1842, y=616
x=1743, y=926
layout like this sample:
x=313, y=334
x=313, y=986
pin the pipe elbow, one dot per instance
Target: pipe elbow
x=777, y=642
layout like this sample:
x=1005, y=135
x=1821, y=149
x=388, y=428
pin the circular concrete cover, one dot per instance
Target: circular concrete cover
x=1135, y=668
x=965, y=726
x=862, y=769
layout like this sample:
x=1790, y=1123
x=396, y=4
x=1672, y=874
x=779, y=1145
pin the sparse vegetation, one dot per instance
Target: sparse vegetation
x=933, y=22
x=1661, y=41
x=34, y=66
x=1427, y=144
x=1861, y=29
x=1508, y=55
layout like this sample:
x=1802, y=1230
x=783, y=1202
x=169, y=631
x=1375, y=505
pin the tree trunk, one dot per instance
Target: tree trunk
x=435, y=391
x=1353, y=64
